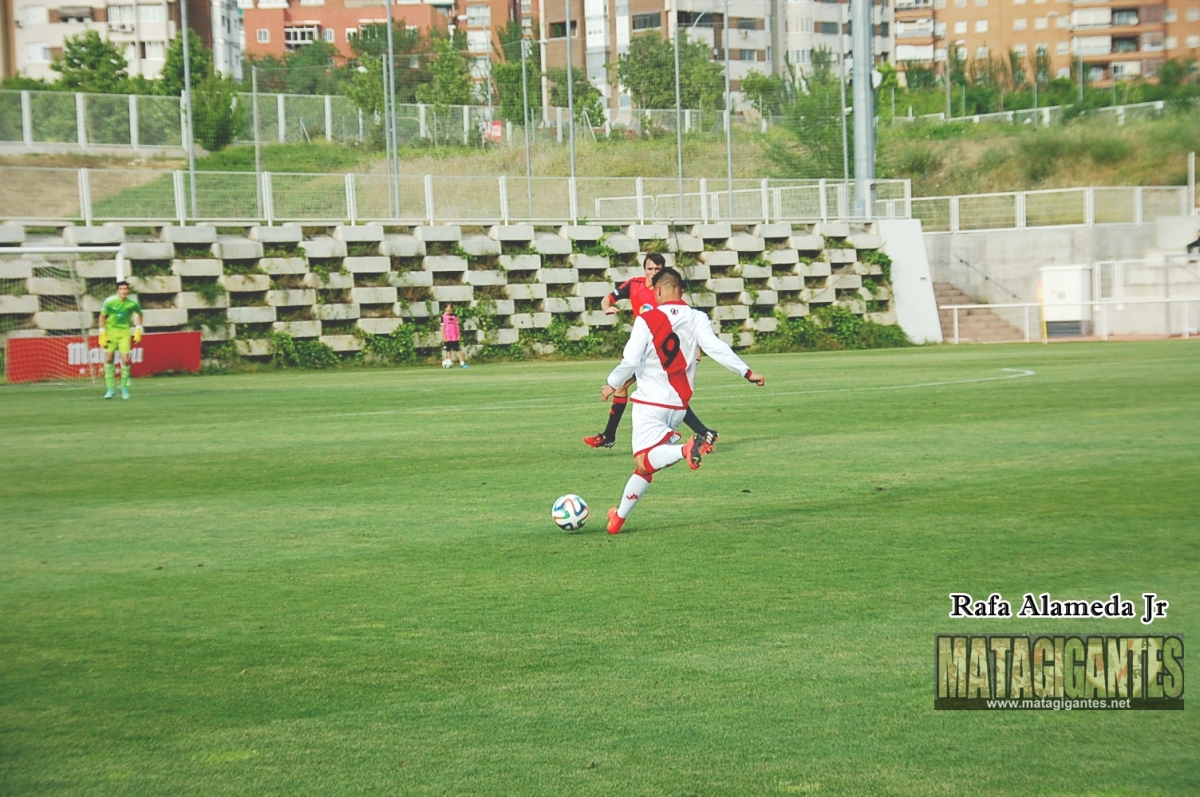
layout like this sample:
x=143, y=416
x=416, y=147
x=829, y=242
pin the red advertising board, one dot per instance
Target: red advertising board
x=40, y=359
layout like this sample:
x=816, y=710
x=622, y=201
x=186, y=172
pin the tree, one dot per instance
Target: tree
x=412, y=50
x=450, y=82
x=918, y=77
x=216, y=113
x=200, y=63
x=90, y=64
x=812, y=144
x=765, y=92
x=647, y=71
x=587, y=97
x=506, y=74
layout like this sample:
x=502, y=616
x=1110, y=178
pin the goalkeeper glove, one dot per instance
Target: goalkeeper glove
x=137, y=334
x=103, y=338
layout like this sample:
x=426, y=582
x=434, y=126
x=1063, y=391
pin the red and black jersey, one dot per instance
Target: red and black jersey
x=640, y=295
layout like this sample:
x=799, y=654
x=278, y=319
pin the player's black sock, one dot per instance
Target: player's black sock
x=614, y=417
x=694, y=423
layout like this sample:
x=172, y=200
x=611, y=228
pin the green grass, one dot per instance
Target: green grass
x=342, y=583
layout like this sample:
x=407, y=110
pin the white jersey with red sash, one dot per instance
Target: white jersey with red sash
x=662, y=354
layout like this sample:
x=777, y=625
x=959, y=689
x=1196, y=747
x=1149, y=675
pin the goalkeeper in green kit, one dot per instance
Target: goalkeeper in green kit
x=115, y=335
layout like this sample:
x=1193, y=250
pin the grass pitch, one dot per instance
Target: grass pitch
x=348, y=582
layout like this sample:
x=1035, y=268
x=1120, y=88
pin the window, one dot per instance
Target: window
x=1123, y=18
x=747, y=55
x=827, y=28
x=1193, y=42
x=154, y=51
x=981, y=3
x=264, y=35
x=1193, y=15
x=747, y=23
x=327, y=34
x=558, y=30
x=479, y=16
x=36, y=15
x=1124, y=45
x=1172, y=42
x=1062, y=22
x=155, y=13
x=981, y=53
x=312, y=2
x=960, y=26
x=39, y=53
x=960, y=3
x=1020, y=50
x=479, y=41
x=120, y=14
x=696, y=19
x=647, y=21
x=1062, y=48
x=1020, y=23
x=297, y=37
x=1040, y=23
x=1170, y=15
x=79, y=14
x=981, y=26
x=351, y=34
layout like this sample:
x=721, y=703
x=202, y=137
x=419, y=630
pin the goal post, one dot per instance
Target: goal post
x=50, y=299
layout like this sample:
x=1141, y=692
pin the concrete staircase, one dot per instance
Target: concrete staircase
x=974, y=326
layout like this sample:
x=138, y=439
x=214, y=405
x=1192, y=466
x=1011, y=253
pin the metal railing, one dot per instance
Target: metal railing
x=1060, y=207
x=150, y=196
x=1099, y=306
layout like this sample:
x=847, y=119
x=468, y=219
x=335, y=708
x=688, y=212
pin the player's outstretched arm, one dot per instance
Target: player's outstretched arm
x=719, y=350
x=757, y=379
x=640, y=340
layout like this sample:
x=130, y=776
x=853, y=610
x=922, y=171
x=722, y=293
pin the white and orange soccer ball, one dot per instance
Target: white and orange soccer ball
x=570, y=512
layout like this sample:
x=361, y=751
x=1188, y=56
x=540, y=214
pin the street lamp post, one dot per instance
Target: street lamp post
x=728, y=113
x=679, y=98
x=525, y=44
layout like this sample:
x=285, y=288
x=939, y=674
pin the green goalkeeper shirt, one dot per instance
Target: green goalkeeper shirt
x=118, y=311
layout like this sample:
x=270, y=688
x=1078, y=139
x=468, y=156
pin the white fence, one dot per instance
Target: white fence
x=37, y=120
x=149, y=196
x=1104, y=313
x=1021, y=210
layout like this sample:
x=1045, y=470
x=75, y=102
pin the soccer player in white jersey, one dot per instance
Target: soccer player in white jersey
x=662, y=353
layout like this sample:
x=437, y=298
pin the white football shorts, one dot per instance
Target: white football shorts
x=654, y=426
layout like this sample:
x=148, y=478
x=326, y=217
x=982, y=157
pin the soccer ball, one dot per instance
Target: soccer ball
x=447, y=363
x=570, y=512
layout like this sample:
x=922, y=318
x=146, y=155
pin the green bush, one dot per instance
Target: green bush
x=830, y=328
x=287, y=352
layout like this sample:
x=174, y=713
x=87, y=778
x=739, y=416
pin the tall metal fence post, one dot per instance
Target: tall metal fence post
x=641, y=200
x=85, y=197
x=269, y=197
x=351, y=200
x=328, y=118
x=466, y=123
x=80, y=121
x=133, y=121
x=766, y=202
x=1137, y=205
x=953, y=214
x=27, y=119
x=180, y=197
x=823, y=199
x=429, y=213
x=573, y=198
x=504, y=217
x=1089, y=207
x=281, y=115
x=704, y=215
x=1020, y=210
x=421, y=120
x=956, y=325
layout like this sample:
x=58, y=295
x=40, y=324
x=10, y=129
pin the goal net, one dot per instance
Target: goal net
x=50, y=299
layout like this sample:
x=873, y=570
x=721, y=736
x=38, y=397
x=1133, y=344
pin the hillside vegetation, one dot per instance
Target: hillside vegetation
x=939, y=158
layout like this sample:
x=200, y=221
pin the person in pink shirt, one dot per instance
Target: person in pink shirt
x=451, y=337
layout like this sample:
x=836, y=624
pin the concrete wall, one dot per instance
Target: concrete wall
x=337, y=282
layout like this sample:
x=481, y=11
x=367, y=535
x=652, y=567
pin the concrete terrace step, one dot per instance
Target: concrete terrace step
x=975, y=325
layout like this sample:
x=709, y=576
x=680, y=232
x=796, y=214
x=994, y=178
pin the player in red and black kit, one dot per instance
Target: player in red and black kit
x=640, y=293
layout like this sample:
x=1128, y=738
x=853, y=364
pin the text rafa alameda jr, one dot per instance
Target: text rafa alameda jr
x=1043, y=606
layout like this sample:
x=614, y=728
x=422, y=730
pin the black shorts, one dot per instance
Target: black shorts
x=450, y=345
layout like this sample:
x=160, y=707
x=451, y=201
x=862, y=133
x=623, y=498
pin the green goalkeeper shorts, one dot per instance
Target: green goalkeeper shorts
x=119, y=340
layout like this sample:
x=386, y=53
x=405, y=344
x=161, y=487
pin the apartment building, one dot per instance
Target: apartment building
x=32, y=32
x=807, y=26
x=276, y=27
x=1112, y=39
x=601, y=31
